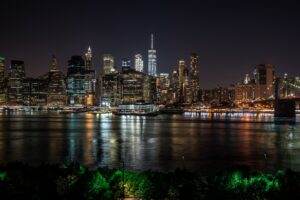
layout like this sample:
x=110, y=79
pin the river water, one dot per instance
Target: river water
x=194, y=141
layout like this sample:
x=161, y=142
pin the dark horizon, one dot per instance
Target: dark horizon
x=230, y=38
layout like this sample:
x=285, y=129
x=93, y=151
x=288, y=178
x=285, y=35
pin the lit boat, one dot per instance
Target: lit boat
x=139, y=109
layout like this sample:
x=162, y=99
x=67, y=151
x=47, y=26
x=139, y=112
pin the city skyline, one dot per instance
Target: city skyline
x=230, y=37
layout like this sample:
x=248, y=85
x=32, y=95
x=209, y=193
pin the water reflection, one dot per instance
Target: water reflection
x=164, y=142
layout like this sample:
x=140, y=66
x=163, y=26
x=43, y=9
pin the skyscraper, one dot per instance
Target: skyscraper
x=152, y=59
x=16, y=77
x=108, y=64
x=76, y=81
x=138, y=62
x=57, y=95
x=194, y=77
x=264, y=78
x=126, y=62
x=2, y=81
x=88, y=59
x=90, y=79
x=181, y=69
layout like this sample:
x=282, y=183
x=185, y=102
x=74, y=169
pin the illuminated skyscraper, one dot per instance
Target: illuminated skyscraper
x=126, y=62
x=108, y=64
x=16, y=77
x=264, y=81
x=138, y=63
x=88, y=59
x=152, y=59
x=2, y=81
x=57, y=94
x=76, y=81
x=194, y=77
x=175, y=86
x=181, y=69
x=90, y=79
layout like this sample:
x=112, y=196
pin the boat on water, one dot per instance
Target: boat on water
x=73, y=110
x=138, y=109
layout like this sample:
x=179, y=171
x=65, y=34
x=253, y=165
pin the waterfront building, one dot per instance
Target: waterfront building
x=16, y=76
x=245, y=91
x=35, y=92
x=163, y=86
x=219, y=96
x=186, y=91
x=90, y=80
x=3, y=96
x=194, y=77
x=150, y=90
x=131, y=83
x=181, y=69
x=109, y=90
x=264, y=75
x=108, y=64
x=152, y=60
x=175, y=86
x=183, y=80
x=57, y=94
x=76, y=81
x=138, y=63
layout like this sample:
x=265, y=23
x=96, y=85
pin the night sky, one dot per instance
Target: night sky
x=230, y=37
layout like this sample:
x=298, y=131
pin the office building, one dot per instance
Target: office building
x=35, y=92
x=138, y=63
x=126, y=62
x=194, y=78
x=90, y=80
x=152, y=60
x=57, y=94
x=76, y=81
x=3, y=96
x=264, y=81
x=108, y=64
x=16, y=76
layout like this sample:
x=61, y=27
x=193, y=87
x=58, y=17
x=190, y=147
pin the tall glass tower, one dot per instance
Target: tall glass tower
x=152, y=59
x=138, y=62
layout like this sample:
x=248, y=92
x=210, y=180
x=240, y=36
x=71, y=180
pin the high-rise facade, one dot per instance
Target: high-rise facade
x=138, y=63
x=57, y=94
x=264, y=81
x=16, y=77
x=175, y=86
x=35, y=92
x=108, y=64
x=163, y=85
x=76, y=81
x=88, y=59
x=2, y=81
x=181, y=69
x=90, y=79
x=152, y=60
x=126, y=62
x=194, y=77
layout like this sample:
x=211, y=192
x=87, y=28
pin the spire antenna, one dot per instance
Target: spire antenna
x=152, y=41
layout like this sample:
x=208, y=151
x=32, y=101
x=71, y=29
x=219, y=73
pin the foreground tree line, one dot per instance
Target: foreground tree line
x=75, y=181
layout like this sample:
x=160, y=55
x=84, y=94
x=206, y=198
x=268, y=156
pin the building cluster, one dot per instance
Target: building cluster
x=261, y=86
x=81, y=86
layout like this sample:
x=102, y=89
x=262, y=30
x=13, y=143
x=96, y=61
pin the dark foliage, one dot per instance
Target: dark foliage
x=74, y=181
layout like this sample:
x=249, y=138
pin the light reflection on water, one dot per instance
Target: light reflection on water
x=194, y=141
